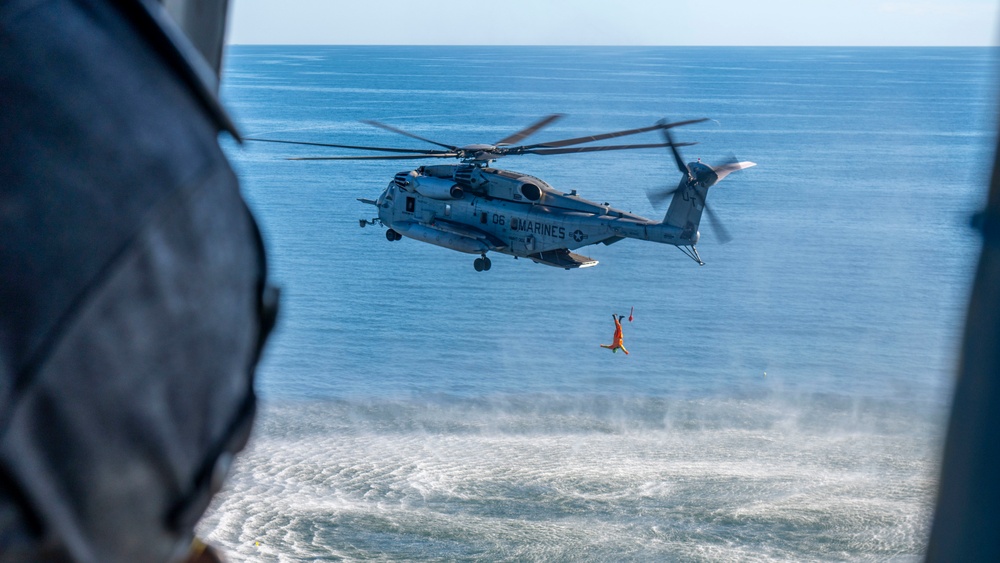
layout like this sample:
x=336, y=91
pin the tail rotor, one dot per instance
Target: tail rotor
x=698, y=177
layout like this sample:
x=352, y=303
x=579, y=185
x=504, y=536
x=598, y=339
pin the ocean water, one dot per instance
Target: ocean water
x=784, y=402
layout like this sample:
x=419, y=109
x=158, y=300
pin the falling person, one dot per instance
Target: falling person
x=617, y=340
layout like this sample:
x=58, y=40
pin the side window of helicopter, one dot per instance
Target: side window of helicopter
x=386, y=199
x=410, y=204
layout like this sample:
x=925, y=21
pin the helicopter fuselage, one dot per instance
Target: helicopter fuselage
x=477, y=209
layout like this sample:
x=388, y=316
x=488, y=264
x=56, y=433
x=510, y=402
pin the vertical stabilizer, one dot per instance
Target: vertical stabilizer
x=686, y=207
x=690, y=197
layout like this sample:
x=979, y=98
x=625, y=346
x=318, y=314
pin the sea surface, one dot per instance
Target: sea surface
x=784, y=402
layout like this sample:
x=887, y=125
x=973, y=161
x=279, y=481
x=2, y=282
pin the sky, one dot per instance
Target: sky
x=615, y=22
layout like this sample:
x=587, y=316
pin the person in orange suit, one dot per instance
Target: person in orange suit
x=617, y=340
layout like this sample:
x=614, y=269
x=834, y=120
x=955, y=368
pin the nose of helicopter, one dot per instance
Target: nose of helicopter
x=385, y=195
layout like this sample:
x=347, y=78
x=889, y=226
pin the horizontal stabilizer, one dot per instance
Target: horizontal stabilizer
x=563, y=258
x=724, y=170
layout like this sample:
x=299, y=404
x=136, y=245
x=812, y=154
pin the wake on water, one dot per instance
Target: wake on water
x=766, y=477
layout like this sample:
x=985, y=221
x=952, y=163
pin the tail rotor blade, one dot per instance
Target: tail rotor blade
x=677, y=154
x=730, y=160
x=716, y=224
x=721, y=171
x=658, y=196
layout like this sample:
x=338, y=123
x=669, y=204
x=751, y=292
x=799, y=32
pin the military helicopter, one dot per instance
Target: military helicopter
x=474, y=208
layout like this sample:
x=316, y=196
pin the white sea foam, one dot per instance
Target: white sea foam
x=724, y=480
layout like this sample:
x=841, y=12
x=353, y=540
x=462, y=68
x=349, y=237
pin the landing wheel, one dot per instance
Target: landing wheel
x=486, y=263
x=479, y=265
x=392, y=235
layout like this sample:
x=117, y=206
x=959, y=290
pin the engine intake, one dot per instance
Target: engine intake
x=531, y=192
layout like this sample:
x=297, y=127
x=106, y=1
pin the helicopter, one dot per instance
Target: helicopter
x=474, y=208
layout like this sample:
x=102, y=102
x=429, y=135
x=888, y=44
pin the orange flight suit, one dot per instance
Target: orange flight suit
x=617, y=340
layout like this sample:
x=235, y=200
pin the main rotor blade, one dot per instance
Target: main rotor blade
x=529, y=130
x=598, y=148
x=384, y=149
x=680, y=123
x=601, y=137
x=407, y=133
x=379, y=157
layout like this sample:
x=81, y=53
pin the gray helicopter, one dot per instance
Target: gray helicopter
x=474, y=208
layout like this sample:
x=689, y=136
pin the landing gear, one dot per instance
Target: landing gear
x=391, y=235
x=692, y=253
x=482, y=264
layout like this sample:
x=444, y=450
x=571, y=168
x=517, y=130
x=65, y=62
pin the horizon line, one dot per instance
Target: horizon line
x=600, y=45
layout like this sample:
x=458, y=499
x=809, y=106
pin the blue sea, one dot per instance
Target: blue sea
x=784, y=402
